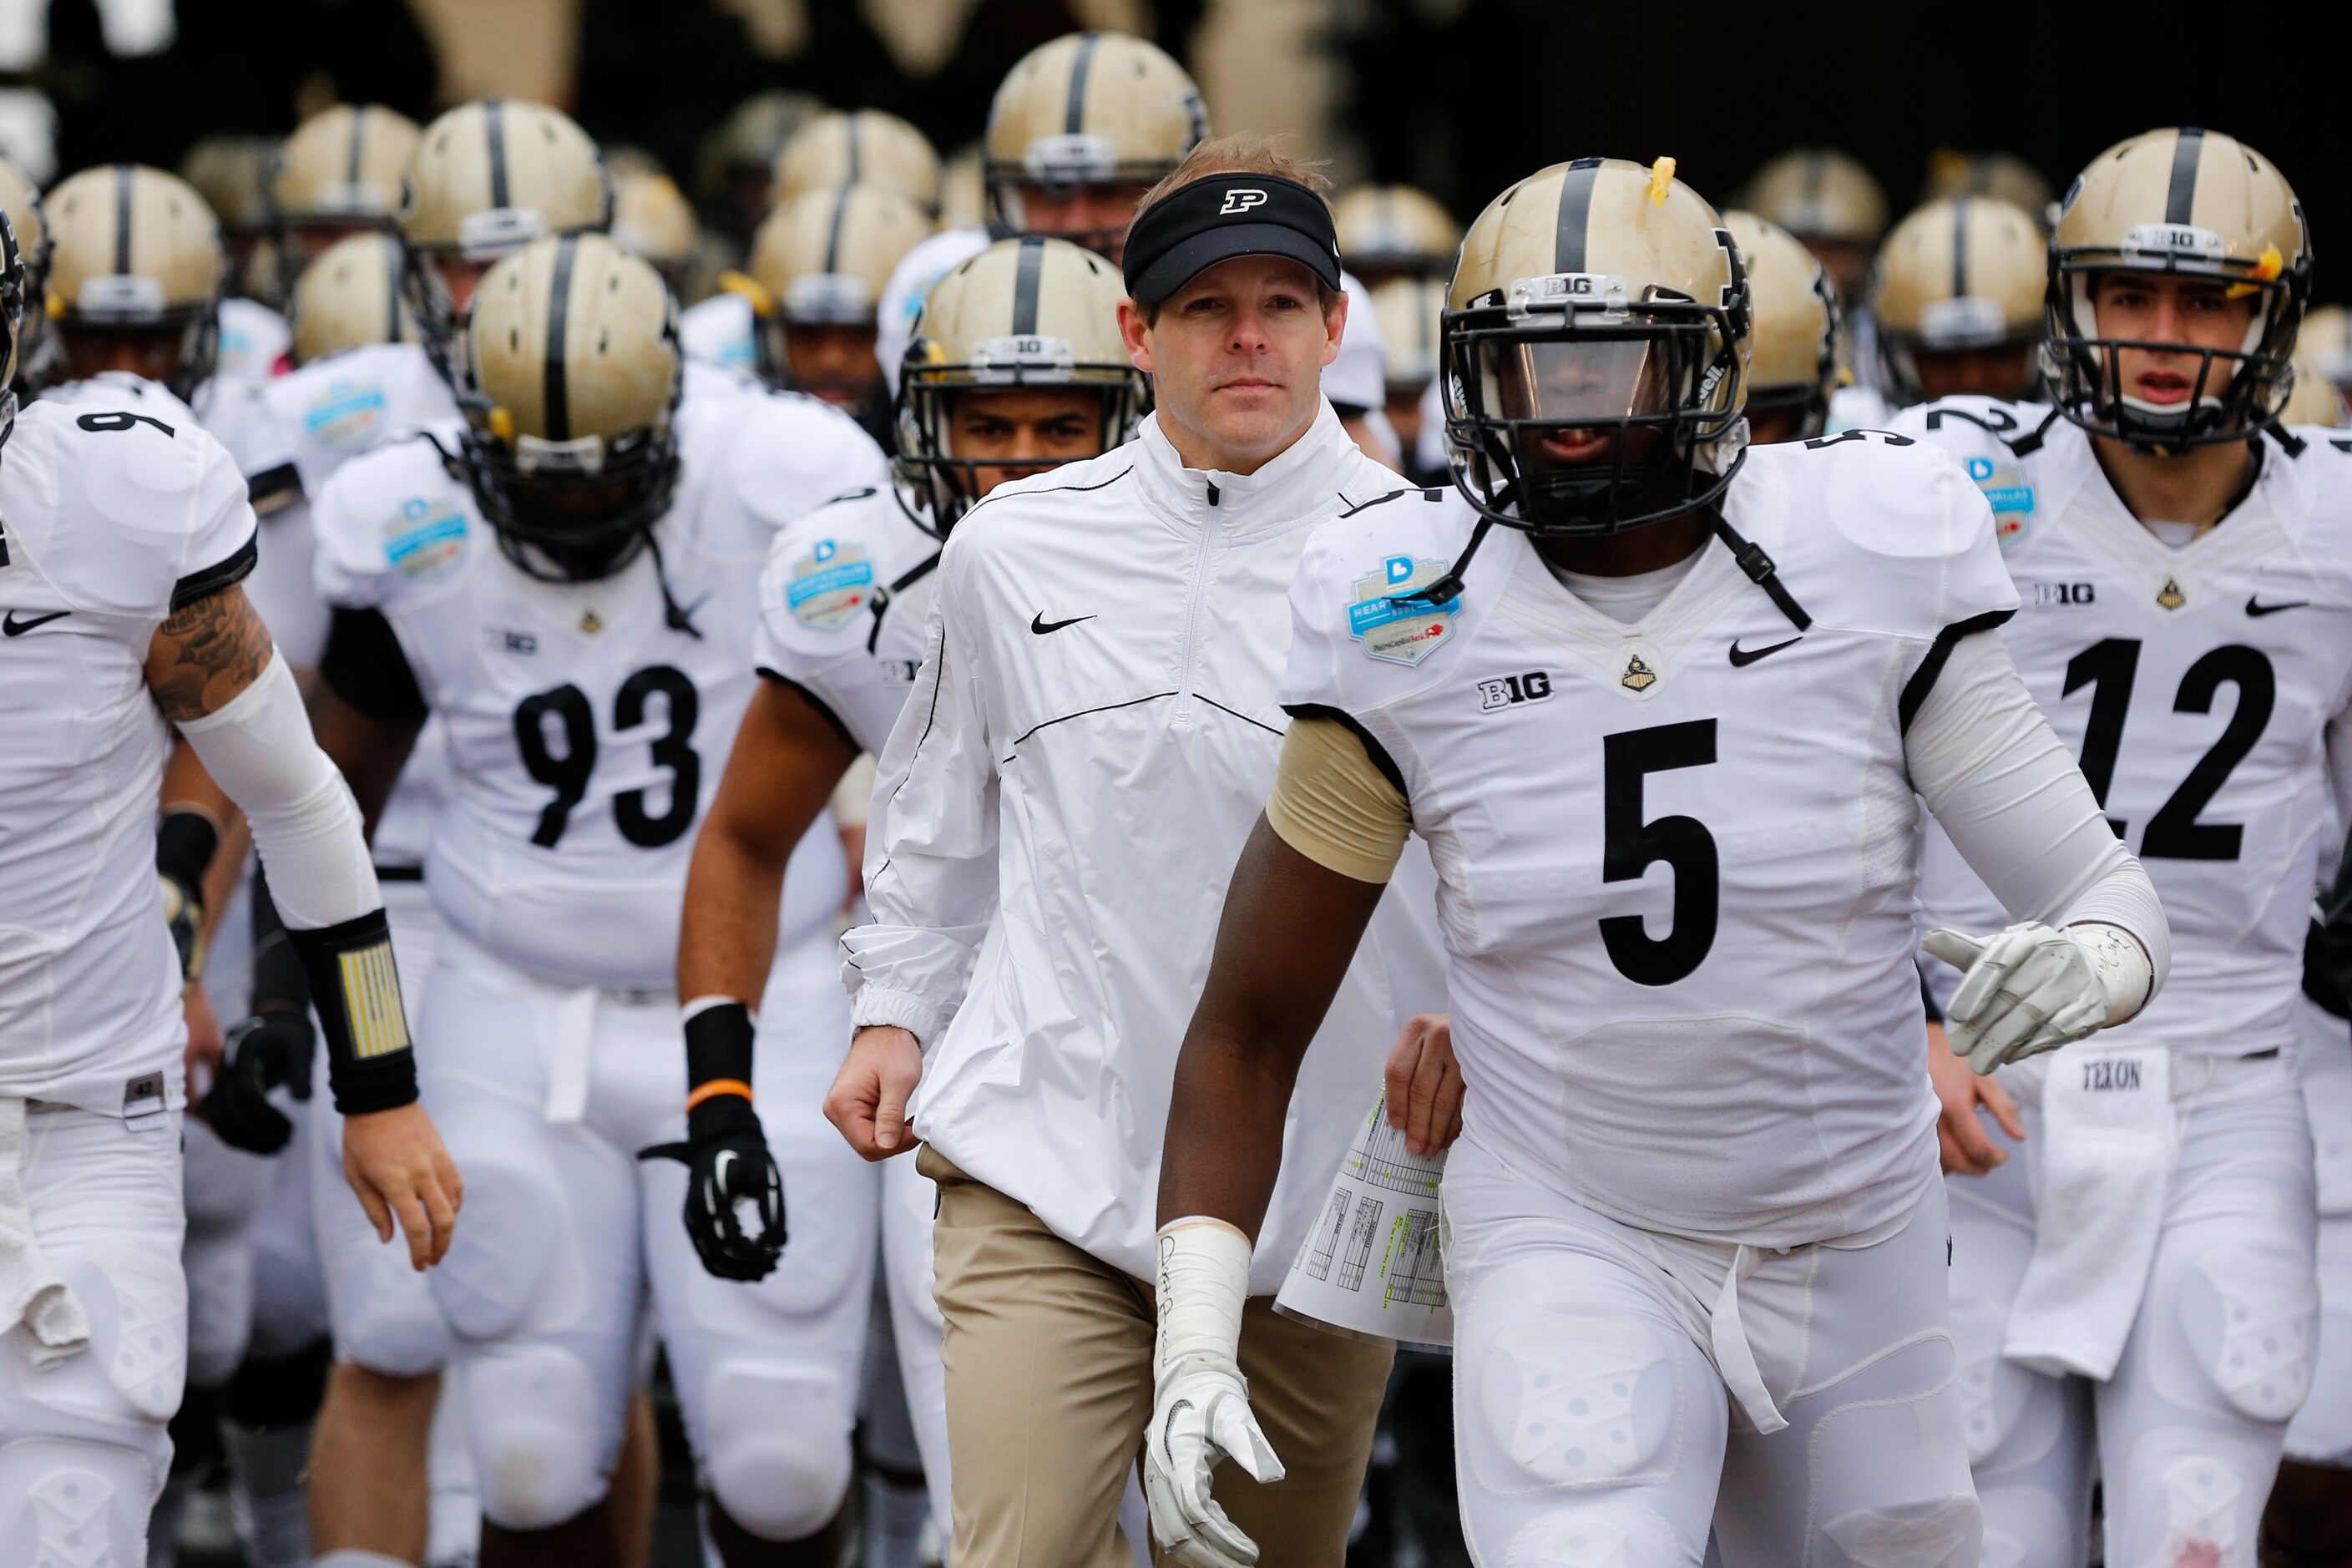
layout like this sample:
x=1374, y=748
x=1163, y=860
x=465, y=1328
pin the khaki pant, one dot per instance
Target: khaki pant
x=1048, y=1353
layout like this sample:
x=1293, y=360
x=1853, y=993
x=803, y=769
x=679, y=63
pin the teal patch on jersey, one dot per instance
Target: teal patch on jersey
x=426, y=539
x=346, y=415
x=829, y=586
x=2010, y=497
x=1397, y=630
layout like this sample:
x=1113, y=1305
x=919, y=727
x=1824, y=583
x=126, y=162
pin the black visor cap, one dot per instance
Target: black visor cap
x=1222, y=217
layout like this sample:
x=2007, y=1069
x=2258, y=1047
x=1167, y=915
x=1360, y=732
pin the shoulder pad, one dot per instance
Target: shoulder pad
x=390, y=521
x=1357, y=637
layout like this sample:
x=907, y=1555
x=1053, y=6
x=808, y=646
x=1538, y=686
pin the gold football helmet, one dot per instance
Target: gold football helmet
x=342, y=171
x=486, y=179
x=1596, y=343
x=1079, y=129
x=135, y=254
x=1030, y=311
x=20, y=204
x=232, y=173
x=1793, y=365
x=858, y=147
x=350, y=295
x=1958, y=294
x=570, y=387
x=2002, y=176
x=1386, y=231
x=821, y=262
x=14, y=291
x=733, y=164
x=2316, y=400
x=1819, y=193
x=2194, y=203
x=652, y=220
x=2326, y=337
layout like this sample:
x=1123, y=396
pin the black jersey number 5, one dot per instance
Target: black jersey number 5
x=2174, y=833
x=1629, y=844
x=562, y=716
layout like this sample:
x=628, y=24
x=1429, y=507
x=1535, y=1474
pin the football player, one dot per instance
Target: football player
x=1831, y=203
x=351, y=296
x=2003, y=177
x=1792, y=364
x=1956, y=296
x=20, y=204
x=232, y=173
x=2142, y=1310
x=1666, y=709
x=651, y=218
x=482, y=180
x=735, y=163
x=1079, y=129
x=1408, y=309
x=123, y=536
x=564, y=579
x=338, y=174
x=806, y=321
x=858, y=147
x=1395, y=231
x=1016, y=367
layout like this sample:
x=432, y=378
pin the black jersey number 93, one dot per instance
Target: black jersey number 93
x=556, y=733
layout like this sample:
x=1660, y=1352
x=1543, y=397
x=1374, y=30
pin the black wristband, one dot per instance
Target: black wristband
x=718, y=1047
x=355, y=988
x=1927, y=1001
x=184, y=842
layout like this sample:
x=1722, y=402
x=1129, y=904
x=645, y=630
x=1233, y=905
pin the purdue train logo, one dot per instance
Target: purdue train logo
x=2170, y=596
x=1638, y=677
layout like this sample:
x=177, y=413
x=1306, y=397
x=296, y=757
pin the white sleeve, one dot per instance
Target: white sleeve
x=2339, y=772
x=259, y=747
x=930, y=847
x=2018, y=809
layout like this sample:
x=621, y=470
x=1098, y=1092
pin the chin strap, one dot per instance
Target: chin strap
x=1450, y=586
x=1751, y=559
x=672, y=612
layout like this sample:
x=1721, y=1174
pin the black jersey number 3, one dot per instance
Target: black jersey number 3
x=1629, y=844
x=563, y=716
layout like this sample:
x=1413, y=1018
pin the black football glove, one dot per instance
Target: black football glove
x=183, y=911
x=265, y=1051
x=728, y=1164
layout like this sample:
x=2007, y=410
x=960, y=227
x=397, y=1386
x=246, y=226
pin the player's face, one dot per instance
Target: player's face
x=2196, y=313
x=1236, y=355
x=1027, y=429
x=459, y=275
x=1997, y=372
x=1847, y=264
x=1576, y=391
x=155, y=352
x=834, y=361
x=1093, y=216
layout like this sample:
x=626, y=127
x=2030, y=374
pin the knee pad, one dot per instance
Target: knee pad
x=68, y=1503
x=1596, y=1538
x=539, y=1447
x=1568, y=1399
x=777, y=1449
x=394, y=1333
x=137, y=1300
x=2251, y=1314
x=2189, y=1495
x=1944, y=1534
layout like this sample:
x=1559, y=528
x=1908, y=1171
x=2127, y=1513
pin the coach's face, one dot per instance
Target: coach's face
x=1236, y=359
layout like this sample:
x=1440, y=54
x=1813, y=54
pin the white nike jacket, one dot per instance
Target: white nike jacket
x=1090, y=740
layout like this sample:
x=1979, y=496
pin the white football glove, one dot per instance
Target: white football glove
x=2032, y=988
x=1201, y=1413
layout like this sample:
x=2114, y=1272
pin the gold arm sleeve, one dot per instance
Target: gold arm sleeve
x=1332, y=803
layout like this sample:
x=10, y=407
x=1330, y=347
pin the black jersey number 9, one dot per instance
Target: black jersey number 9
x=556, y=733
x=1629, y=844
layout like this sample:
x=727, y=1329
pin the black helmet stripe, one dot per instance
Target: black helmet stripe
x=1575, y=214
x=1959, y=247
x=1025, y=279
x=1817, y=174
x=391, y=293
x=2180, y=199
x=1073, y=118
x=855, y=173
x=122, y=185
x=494, y=132
x=833, y=234
x=558, y=310
x=359, y=136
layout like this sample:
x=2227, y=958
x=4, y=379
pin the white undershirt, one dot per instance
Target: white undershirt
x=2174, y=534
x=1626, y=599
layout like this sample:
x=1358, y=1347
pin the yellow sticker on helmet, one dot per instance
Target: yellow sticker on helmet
x=2268, y=268
x=1661, y=181
x=763, y=304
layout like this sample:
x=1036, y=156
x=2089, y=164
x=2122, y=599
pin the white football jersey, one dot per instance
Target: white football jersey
x=111, y=516
x=254, y=340
x=718, y=331
x=2196, y=686
x=1677, y=857
x=842, y=608
x=586, y=733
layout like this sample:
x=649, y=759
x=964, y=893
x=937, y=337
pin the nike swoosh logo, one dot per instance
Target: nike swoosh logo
x=1743, y=657
x=2253, y=608
x=1041, y=625
x=11, y=626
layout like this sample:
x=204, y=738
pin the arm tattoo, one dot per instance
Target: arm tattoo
x=205, y=654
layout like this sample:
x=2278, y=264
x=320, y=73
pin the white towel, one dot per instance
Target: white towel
x=565, y=1018
x=30, y=1291
x=2109, y=1137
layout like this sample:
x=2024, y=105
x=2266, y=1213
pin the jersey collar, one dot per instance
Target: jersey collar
x=1297, y=484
